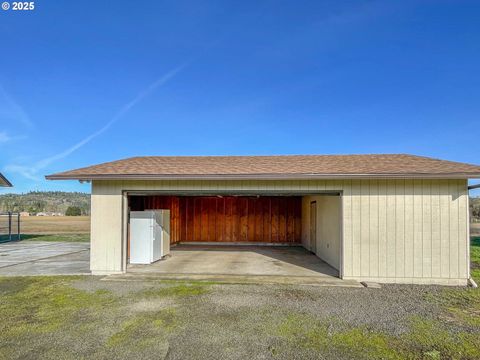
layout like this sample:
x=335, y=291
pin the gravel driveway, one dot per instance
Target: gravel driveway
x=93, y=318
x=245, y=321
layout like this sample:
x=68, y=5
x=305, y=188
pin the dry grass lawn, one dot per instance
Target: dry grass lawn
x=55, y=224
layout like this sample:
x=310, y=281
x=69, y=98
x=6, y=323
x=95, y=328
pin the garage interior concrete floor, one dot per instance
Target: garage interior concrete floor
x=251, y=264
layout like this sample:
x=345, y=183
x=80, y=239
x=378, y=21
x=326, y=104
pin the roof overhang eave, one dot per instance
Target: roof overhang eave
x=90, y=177
x=4, y=181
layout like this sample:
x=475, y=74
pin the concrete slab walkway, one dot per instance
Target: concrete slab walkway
x=21, y=258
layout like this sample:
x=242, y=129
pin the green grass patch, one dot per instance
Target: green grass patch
x=427, y=339
x=6, y=238
x=434, y=341
x=304, y=331
x=144, y=330
x=57, y=237
x=462, y=305
x=44, y=304
x=475, y=258
x=37, y=310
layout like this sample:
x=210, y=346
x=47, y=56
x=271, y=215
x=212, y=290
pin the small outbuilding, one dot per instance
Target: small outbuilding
x=4, y=181
x=391, y=218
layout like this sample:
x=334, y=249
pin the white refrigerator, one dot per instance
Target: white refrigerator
x=149, y=236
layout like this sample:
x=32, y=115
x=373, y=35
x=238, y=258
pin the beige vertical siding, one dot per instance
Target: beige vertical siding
x=407, y=231
x=106, y=229
x=415, y=230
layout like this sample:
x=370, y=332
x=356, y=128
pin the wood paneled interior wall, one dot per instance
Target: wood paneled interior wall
x=269, y=219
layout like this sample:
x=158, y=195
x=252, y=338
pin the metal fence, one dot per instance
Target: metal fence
x=9, y=226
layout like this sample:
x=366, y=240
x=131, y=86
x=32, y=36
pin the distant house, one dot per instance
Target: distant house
x=4, y=182
x=24, y=213
x=49, y=213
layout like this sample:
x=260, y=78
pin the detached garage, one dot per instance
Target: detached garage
x=384, y=218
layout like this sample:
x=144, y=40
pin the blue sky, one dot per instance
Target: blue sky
x=84, y=82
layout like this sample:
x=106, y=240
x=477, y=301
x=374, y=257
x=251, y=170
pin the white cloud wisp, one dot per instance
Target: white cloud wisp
x=31, y=172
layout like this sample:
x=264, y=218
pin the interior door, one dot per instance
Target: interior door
x=157, y=235
x=313, y=227
x=166, y=232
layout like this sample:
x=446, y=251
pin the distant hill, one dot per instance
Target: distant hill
x=45, y=201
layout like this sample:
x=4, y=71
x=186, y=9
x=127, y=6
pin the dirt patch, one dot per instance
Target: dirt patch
x=151, y=305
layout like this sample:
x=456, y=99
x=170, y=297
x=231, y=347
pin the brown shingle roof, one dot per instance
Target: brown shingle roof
x=273, y=167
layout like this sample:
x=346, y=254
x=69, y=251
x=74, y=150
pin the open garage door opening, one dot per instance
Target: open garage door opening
x=298, y=230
